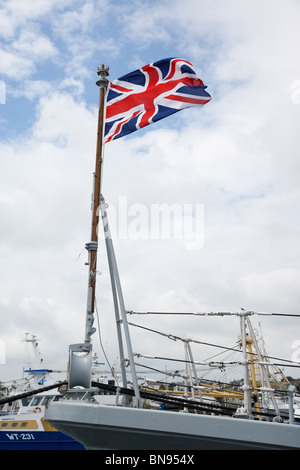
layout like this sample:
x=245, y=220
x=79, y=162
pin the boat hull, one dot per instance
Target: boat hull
x=120, y=428
x=37, y=440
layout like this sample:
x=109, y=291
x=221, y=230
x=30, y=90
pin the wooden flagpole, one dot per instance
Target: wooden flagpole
x=92, y=247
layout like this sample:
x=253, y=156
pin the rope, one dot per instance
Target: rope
x=181, y=402
x=31, y=392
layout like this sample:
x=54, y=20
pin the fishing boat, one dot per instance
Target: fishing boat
x=22, y=423
x=129, y=425
x=22, y=407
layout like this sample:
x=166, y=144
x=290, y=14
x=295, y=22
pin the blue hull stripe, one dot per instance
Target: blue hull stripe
x=37, y=440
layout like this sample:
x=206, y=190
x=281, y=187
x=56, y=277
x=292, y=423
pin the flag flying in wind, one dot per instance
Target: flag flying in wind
x=150, y=94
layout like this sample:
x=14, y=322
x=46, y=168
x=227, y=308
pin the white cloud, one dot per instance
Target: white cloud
x=14, y=66
x=32, y=89
x=29, y=32
x=77, y=20
x=59, y=120
x=24, y=46
x=15, y=14
x=33, y=45
x=146, y=24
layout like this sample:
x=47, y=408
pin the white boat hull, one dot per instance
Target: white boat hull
x=120, y=428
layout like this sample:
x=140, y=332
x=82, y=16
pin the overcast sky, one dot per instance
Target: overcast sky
x=235, y=161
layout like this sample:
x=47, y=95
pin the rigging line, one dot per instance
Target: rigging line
x=175, y=338
x=209, y=384
x=285, y=314
x=231, y=352
x=283, y=365
x=215, y=364
x=250, y=312
x=172, y=374
x=235, y=349
x=220, y=364
x=210, y=358
x=102, y=347
x=164, y=373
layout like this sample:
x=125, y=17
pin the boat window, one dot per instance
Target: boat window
x=36, y=401
x=26, y=401
x=47, y=399
x=18, y=424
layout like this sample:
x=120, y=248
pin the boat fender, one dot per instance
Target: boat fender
x=37, y=409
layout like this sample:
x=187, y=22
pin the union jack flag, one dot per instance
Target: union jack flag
x=150, y=94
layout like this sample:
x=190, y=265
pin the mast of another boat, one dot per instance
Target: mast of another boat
x=246, y=388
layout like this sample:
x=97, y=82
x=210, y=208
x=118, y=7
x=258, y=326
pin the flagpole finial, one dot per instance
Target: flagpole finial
x=103, y=73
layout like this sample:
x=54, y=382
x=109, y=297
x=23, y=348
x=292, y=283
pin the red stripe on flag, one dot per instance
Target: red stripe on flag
x=187, y=99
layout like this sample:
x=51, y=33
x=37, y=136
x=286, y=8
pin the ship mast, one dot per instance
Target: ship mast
x=92, y=246
x=80, y=354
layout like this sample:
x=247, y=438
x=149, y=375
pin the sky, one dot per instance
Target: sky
x=229, y=172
